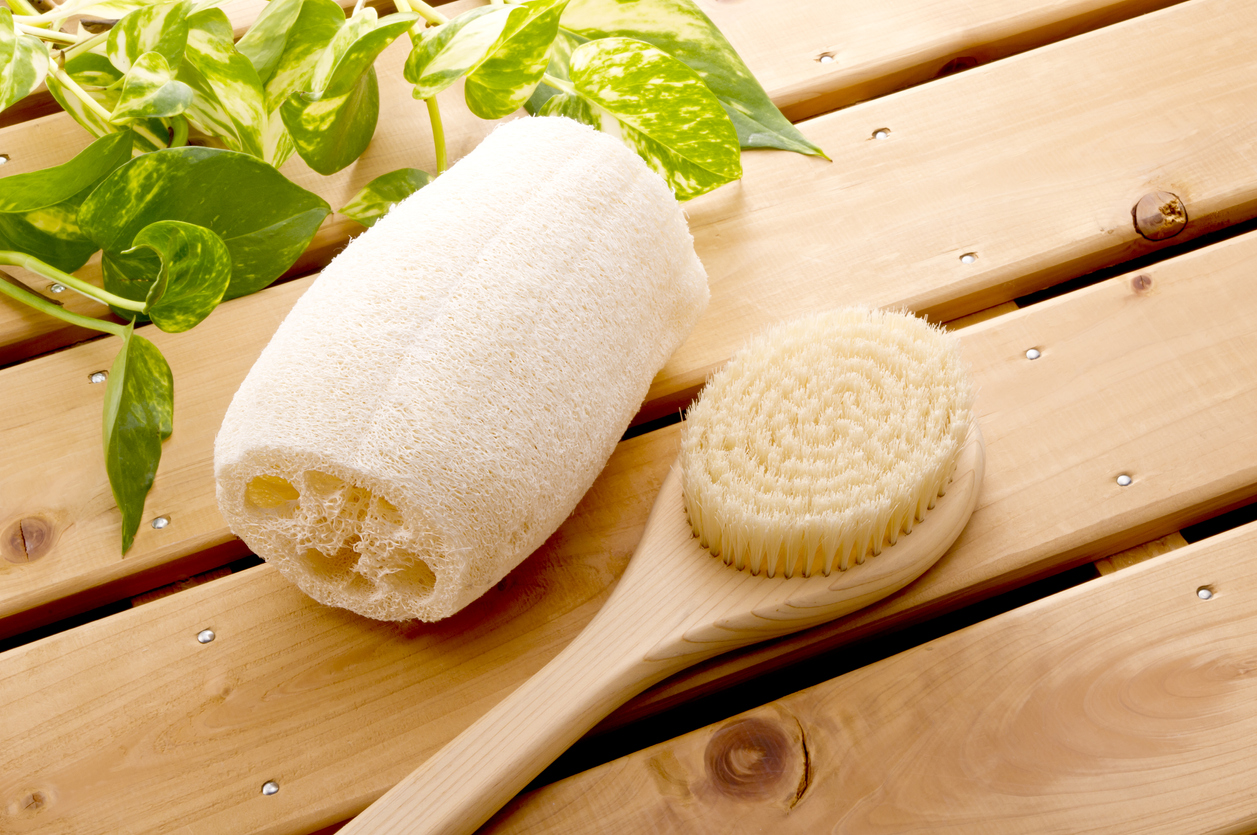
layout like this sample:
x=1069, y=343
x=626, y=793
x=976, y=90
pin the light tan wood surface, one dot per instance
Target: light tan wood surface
x=1077, y=195
x=1037, y=187
x=674, y=605
x=770, y=245
x=1024, y=723
x=337, y=708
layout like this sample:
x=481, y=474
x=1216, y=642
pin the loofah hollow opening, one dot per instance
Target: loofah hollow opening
x=824, y=440
x=343, y=538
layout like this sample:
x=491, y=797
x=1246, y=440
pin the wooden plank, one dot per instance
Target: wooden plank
x=1039, y=188
x=818, y=57
x=770, y=247
x=934, y=141
x=1153, y=378
x=1020, y=724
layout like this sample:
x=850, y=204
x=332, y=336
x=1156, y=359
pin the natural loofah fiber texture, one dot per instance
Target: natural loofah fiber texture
x=823, y=440
x=442, y=396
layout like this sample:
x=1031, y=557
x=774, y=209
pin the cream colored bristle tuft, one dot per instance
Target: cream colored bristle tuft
x=824, y=440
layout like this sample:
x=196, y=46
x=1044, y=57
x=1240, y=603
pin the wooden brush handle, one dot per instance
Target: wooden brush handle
x=468, y=780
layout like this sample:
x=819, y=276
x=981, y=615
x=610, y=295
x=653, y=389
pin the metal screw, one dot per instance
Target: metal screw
x=270, y=787
x=4, y=158
x=968, y=258
x=881, y=133
x=1204, y=592
x=205, y=636
x=1123, y=480
x=826, y=58
x=1159, y=215
x=1033, y=354
x=57, y=288
x=98, y=377
x=161, y=522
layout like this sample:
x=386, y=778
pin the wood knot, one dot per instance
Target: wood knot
x=1159, y=215
x=28, y=539
x=30, y=803
x=1141, y=283
x=748, y=758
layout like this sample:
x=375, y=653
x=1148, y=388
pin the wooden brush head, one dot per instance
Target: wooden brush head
x=823, y=440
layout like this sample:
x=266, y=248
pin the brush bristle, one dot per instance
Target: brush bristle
x=823, y=440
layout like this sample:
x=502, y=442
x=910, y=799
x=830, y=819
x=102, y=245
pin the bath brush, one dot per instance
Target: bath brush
x=829, y=464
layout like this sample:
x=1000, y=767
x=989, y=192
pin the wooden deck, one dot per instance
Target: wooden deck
x=1021, y=134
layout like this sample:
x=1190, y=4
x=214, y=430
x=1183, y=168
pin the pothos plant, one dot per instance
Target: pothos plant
x=180, y=192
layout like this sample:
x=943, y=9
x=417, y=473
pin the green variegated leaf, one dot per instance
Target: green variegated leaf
x=308, y=40
x=353, y=61
x=195, y=271
x=680, y=28
x=384, y=192
x=103, y=83
x=662, y=109
x=162, y=29
x=333, y=125
x=150, y=90
x=138, y=416
x=266, y=39
x=559, y=56
x=265, y=220
x=331, y=133
x=92, y=70
x=572, y=106
x=447, y=52
x=39, y=209
x=228, y=101
x=108, y=9
x=25, y=62
x=508, y=76
x=92, y=121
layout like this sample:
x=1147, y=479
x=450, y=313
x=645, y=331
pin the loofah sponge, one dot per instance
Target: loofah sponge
x=824, y=439
x=446, y=391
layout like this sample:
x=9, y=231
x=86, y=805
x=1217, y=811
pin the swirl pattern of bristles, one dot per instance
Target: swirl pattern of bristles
x=823, y=440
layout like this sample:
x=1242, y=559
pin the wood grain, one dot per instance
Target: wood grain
x=1021, y=724
x=1157, y=380
x=877, y=187
x=771, y=249
x=674, y=605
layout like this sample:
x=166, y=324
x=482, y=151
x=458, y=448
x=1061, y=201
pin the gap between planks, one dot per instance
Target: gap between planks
x=337, y=708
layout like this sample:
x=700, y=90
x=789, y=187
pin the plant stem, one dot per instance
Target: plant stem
x=558, y=83
x=423, y=10
x=438, y=133
x=47, y=34
x=181, y=133
x=29, y=262
x=40, y=303
x=358, y=7
x=73, y=86
x=84, y=46
x=22, y=7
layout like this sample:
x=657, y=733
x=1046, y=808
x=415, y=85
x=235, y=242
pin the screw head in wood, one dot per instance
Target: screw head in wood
x=1033, y=354
x=1204, y=592
x=161, y=522
x=98, y=376
x=881, y=133
x=1159, y=215
x=56, y=288
x=1124, y=480
x=205, y=636
x=968, y=258
x=270, y=787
